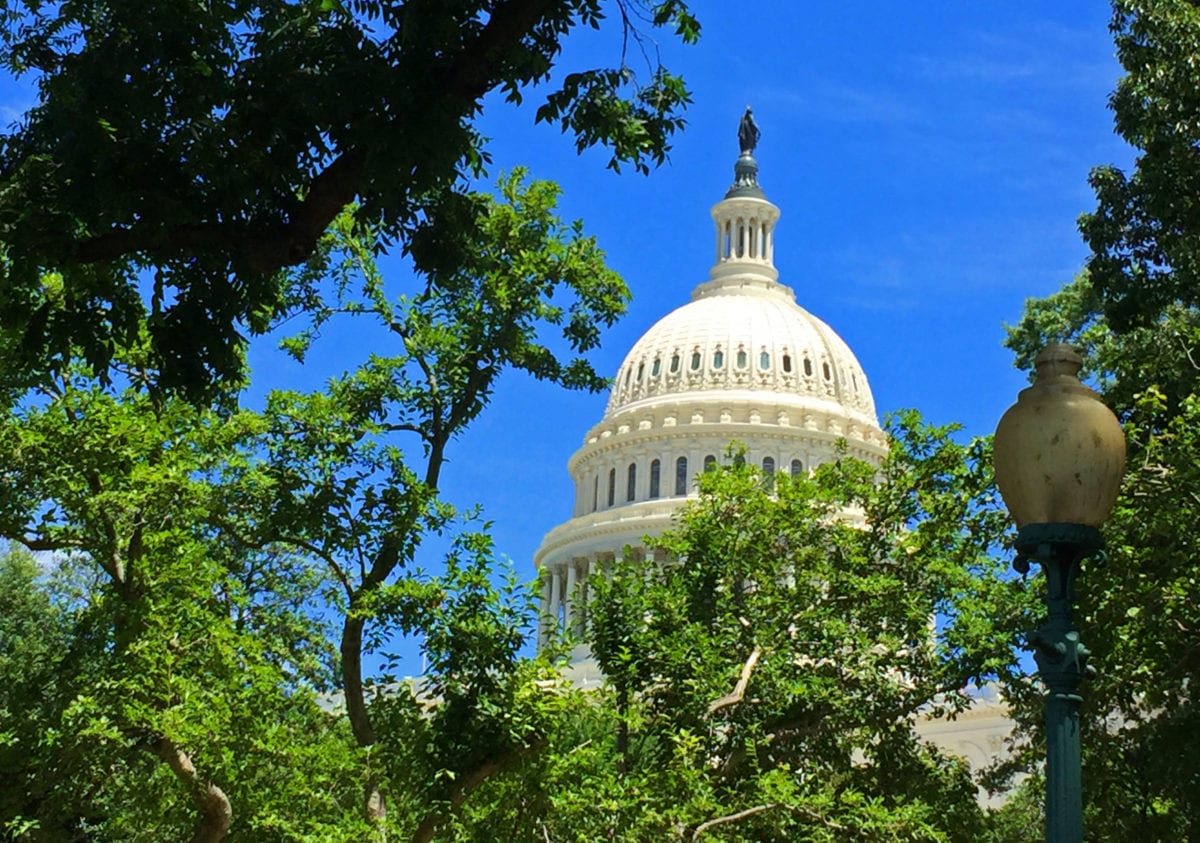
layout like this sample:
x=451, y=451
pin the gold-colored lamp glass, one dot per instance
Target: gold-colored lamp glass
x=1059, y=451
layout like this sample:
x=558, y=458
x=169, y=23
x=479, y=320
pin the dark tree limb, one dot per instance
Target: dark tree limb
x=266, y=248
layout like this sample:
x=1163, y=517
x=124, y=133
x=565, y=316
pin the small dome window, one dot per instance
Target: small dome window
x=825, y=371
x=742, y=358
x=718, y=359
x=681, y=476
x=764, y=361
x=710, y=463
x=854, y=380
x=675, y=363
x=655, y=472
x=696, y=360
x=807, y=368
x=656, y=368
x=628, y=373
x=641, y=369
x=797, y=468
x=787, y=362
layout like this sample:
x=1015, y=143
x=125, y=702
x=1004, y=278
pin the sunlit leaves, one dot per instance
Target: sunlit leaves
x=787, y=643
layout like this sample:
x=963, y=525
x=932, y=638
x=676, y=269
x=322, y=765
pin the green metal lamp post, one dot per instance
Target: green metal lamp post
x=1059, y=455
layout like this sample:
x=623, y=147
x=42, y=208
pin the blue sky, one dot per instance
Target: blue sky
x=929, y=168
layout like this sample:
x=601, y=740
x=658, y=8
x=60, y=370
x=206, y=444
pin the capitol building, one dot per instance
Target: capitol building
x=742, y=360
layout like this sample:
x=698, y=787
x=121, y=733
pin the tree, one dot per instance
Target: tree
x=200, y=150
x=765, y=682
x=186, y=677
x=333, y=480
x=1145, y=233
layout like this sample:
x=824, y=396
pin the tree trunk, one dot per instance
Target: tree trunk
x=374, y=805
x=215, y=811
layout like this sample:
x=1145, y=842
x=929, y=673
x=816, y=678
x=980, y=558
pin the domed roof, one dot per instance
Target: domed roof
x=743, y=334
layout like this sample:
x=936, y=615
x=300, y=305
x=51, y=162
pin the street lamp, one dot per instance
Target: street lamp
x=1059, y=455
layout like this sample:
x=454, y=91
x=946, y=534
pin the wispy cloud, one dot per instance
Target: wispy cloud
x=1043, y=52
x=835, y=101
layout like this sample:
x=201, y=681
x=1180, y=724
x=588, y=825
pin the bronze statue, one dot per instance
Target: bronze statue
x=748, y=133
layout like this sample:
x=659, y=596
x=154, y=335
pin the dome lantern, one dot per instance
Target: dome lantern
x=745, y=220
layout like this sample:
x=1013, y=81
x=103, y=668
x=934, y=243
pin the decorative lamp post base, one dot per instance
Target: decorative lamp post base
x=1062, y=662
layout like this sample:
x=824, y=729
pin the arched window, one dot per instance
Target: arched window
x=742, y=358
x=628, y=372
x=807, y=367
x=681, y=476
x=739, y=460
x=825, y=371
x=797, y=467
x=695, y=360
x=631, y=482
x=787, y=362
x=656, y=369
x=595, y=493
x=710, y=463
x=675, y=363
x=612, y=486
x=642, y=369
x=718, y=359
x=655, y=470
x=764, y=360
x=768, y=465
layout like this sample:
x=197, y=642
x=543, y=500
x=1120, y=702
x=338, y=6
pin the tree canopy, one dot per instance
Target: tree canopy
x=182, y=157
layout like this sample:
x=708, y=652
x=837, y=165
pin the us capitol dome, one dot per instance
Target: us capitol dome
x=740, y=361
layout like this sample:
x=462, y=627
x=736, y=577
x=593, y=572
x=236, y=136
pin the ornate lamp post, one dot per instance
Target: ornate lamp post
x=1059, y=457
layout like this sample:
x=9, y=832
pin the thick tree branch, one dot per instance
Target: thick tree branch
x=430, y=823
x=215, y=811
x=266, y=247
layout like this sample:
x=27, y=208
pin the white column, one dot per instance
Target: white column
x=593, y=565
x=584, y=596
x=555, y=598
x=571, y=614
x=544, y=612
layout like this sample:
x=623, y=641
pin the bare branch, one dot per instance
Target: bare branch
x=731, y=818
x=739, y=690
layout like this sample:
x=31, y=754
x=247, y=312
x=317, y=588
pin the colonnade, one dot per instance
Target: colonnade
x=565, y=595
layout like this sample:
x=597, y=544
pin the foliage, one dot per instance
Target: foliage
x=1144, y=234
x=766, y=685
x=187, y=668
x=200, y=150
